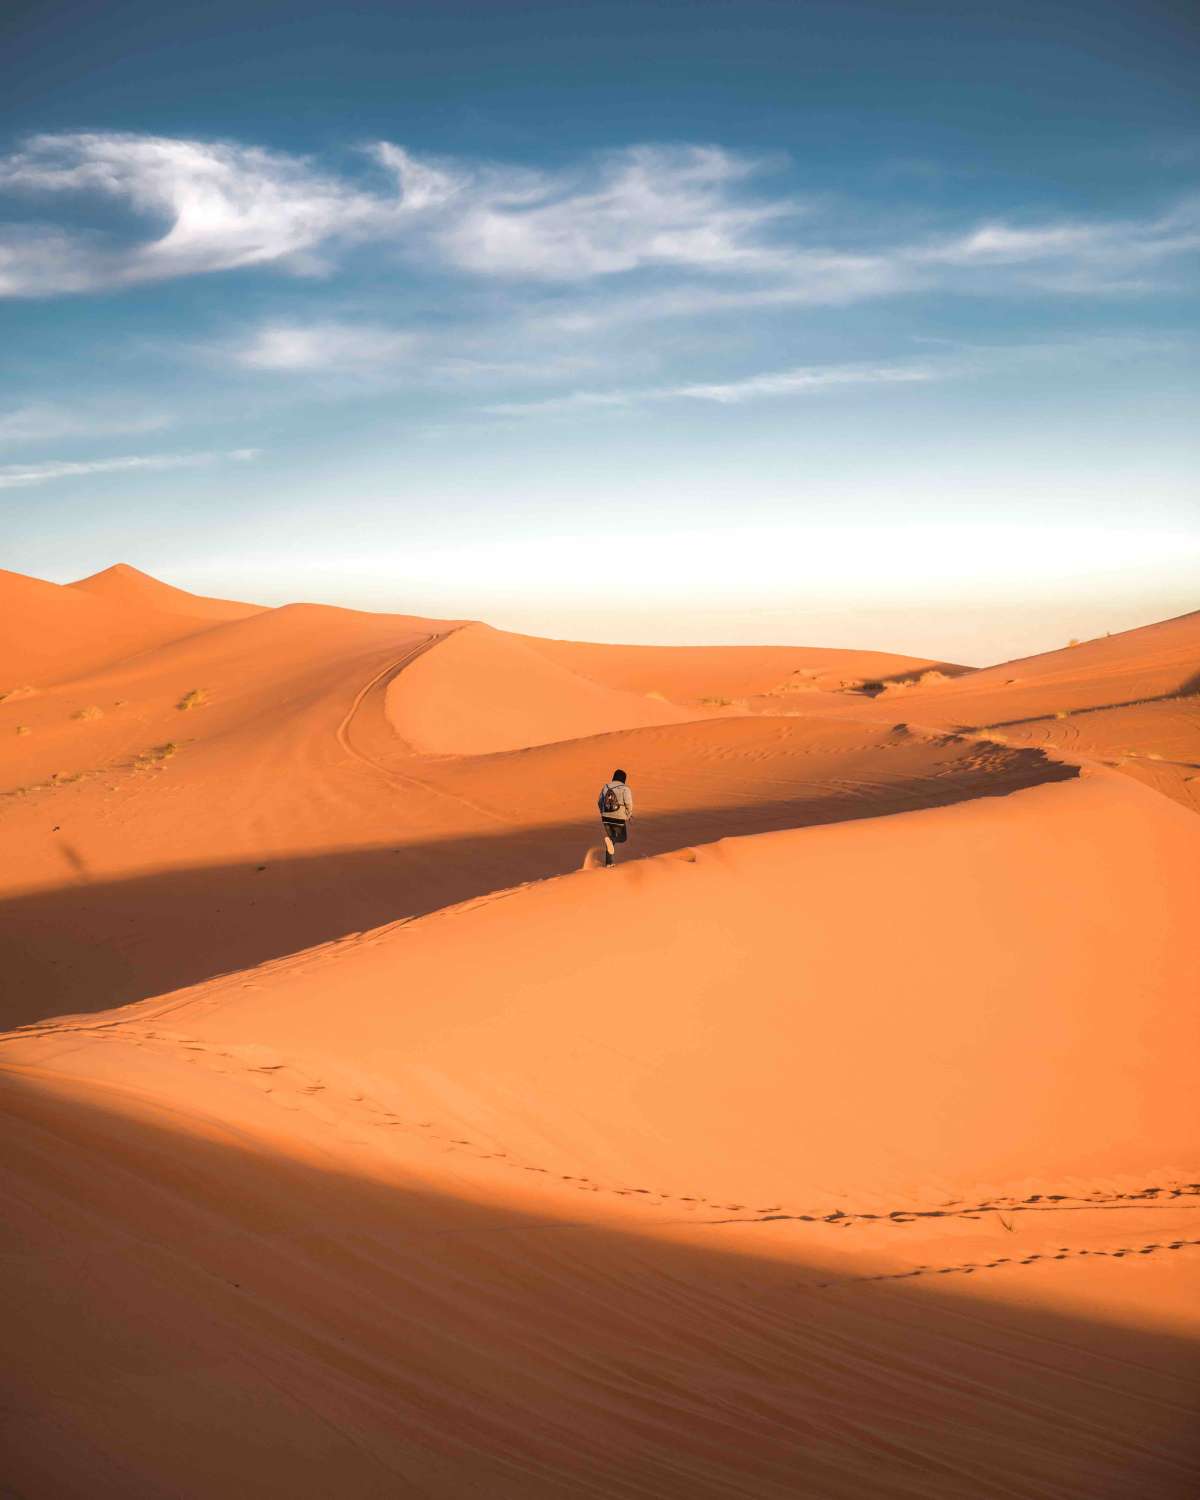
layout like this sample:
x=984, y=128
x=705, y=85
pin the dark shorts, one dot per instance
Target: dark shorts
x=617, y=829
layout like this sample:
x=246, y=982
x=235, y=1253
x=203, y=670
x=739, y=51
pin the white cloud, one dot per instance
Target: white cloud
x=645, y=207
x=692, y=218
x=322, y=347
x=15, y=476
x=220, y=207
x=1073, y=255
x=39, y=422
x=802, y=381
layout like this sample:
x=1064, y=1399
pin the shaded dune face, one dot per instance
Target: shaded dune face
x=364, y=1137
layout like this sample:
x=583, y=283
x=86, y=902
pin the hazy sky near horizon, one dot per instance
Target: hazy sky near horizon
x=835, y=323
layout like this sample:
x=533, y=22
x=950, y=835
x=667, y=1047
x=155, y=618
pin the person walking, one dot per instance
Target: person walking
x=616, y=808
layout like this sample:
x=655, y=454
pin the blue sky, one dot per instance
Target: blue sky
x=841, y=324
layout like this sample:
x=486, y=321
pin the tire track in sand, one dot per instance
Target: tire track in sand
x=383, y=678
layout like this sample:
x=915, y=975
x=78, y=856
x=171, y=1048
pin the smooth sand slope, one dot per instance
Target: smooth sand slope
x=708, y=674
x=484, y=690
x=850, y=1154
x=756, y=1209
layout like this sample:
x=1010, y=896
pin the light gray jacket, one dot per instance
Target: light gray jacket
x=624, y=797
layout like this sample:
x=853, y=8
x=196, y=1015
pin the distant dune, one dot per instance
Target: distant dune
x=688, y=674
x=126, y=586
x=363, y=1137
x=482, y=690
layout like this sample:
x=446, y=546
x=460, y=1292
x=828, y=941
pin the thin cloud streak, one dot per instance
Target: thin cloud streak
x=15, y=476
x=45, y=421
x=772, y=384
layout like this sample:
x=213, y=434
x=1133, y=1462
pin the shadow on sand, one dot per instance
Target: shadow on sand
x=97, y=943
x=242, y=1322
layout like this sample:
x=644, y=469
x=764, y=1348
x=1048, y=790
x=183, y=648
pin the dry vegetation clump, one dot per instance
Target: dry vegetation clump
x=1074, y=641
x=149, y=759
x=90, y=712
x=24, y=729
x=717, y=702
x=1063, y=713
x=193, y=698
x=801, y=680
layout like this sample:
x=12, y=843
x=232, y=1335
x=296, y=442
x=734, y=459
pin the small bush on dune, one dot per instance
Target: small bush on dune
x=717, y=702
x=1063, y=713
x=90, y=712
x=24, y=729
x=150, y=760
x=194, y=698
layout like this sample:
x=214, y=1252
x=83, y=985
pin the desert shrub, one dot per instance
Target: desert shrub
x=24, y=729
x=151, y=758
x=193, y=698
x=90, y=712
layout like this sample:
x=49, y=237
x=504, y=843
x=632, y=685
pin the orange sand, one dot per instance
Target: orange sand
x=843, y=1146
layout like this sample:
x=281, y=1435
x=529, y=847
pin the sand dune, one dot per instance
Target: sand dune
x=1129, y=701
x=50, y=633
x=483, y=690
x=1156, y=661
x=707, y=674
x=454, y=1189
x=130, y=587
x=837, y=1143
x=288, y=812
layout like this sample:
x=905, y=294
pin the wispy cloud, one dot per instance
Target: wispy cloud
x=220, y=206
x=325, y=347
x=803, y=381
x=15, y=476
x=1072, y=255
x=692, y=228
x=45, y=421
x=644, y=207
x=225, y=206
x=773, y=384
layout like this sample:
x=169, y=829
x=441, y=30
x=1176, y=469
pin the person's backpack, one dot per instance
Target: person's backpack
x=610, y=802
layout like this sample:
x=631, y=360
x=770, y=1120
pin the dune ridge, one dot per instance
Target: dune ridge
x=130, y=587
